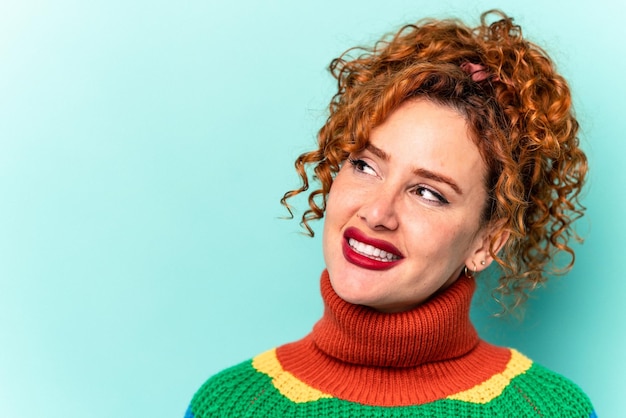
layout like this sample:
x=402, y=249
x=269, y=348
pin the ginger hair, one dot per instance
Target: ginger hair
x=519, y=114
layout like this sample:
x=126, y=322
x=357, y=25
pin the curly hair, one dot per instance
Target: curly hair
x=519, y=113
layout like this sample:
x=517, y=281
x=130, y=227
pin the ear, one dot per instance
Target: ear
x=480, y=257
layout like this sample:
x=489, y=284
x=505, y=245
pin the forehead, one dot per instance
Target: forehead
x=423, y=124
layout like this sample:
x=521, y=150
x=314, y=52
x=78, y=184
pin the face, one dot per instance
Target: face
x=403, y=215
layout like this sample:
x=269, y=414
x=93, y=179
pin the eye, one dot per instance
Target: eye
x=430, y=195
x=361, y=166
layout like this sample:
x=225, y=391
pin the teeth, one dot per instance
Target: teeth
x=371, y=251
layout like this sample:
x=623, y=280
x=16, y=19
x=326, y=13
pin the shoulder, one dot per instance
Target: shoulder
x=219, y=391
x=550, y=393
x=525, y=388
x=231, y=392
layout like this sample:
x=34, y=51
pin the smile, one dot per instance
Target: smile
x=371, y=251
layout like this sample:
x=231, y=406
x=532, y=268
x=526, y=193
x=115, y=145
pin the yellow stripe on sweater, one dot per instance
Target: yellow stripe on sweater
x=493, y=387
x=287, y=384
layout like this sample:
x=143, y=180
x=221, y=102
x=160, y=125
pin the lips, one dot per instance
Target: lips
x=369, y=253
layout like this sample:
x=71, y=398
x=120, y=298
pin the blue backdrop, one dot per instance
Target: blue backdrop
x=144, y=147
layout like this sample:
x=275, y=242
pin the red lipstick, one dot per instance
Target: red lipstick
x=364, y=261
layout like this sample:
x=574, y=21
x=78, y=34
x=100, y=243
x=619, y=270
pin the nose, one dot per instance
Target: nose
x=380, y=211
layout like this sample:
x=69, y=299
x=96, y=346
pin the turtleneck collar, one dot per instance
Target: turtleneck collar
x=358, y=354
x=436, y=330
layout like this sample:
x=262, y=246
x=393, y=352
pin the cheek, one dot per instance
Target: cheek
x=439, y=236
x=340, y=201
x=335, y=217
x=462, y=238
x=334, y=205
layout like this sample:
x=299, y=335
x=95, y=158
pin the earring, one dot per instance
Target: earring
x=468, y=272
x=482, y=263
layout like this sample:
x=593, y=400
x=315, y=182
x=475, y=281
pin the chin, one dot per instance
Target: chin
x=354, y=289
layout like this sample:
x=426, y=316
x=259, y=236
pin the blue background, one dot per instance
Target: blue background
x=143, y=149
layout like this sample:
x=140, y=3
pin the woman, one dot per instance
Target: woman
x=447, y=149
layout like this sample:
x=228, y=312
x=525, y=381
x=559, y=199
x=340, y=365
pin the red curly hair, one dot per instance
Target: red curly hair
x=519, y=112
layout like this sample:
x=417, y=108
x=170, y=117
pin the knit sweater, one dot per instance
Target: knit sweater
x=358, y=362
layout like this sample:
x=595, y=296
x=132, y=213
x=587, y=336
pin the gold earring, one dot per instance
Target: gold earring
x=467, y=271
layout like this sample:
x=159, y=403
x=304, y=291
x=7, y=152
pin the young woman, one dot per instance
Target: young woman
x=447, y=149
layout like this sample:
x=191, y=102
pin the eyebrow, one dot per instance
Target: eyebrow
x=421, y=172
x=377, y=152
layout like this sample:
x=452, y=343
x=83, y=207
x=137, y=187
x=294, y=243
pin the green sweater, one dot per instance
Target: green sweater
x=357, y=362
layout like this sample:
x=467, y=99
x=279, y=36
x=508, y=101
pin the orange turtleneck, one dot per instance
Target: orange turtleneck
x=394, y=359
